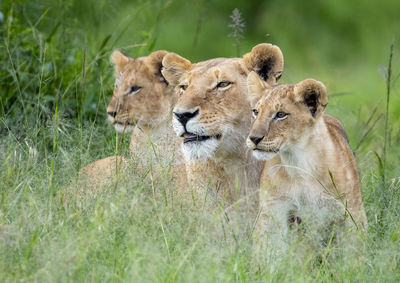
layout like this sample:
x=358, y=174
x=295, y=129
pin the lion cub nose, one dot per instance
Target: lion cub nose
x=185, y=116
x=112, y=114
x=256, y=140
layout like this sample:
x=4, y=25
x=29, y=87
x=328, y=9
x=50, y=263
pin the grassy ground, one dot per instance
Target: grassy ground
x=55, y=82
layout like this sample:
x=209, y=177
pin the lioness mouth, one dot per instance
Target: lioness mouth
x=189, y=137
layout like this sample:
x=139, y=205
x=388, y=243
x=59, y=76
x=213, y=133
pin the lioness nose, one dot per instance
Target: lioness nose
x=256, y=140
x=185, y=116
x=112, y=114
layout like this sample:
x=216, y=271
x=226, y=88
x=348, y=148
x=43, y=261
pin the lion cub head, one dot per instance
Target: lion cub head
x=284, y=115
x=141, y=95
x=211, y=114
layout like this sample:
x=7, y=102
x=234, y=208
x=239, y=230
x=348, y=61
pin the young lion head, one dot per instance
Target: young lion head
x=284, y=116
x=141, y=95
x=211, y=113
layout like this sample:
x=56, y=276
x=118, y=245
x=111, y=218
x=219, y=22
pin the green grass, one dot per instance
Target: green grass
x=55, y=83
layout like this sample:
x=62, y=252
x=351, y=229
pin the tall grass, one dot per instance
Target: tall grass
x=237, y=25
x=386, y=133
x=55, y=82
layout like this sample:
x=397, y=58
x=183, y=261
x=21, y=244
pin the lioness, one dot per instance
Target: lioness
x=211, y=116
x=309, y=166
x=142, y=102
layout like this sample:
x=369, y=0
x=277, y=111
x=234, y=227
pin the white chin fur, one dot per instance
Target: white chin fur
x=263, y=155
x=120, y=128
x=199, y=150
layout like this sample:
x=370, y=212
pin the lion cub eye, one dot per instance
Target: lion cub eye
x=183, y=87
x=134, y=89
x=280, y=115
x=223, y=84
x=255, y=113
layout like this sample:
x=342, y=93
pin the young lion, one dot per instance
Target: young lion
x=211, y=117
x=309, y=167
x=142, y=102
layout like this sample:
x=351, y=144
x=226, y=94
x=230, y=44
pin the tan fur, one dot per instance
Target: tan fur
x=147, y=113
x=94, y=176
x=222, y=115
x=147, y=108
x=301, y=149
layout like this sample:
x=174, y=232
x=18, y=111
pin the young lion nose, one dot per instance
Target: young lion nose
x=256, y=140
x=185, y=116
x=112, y=114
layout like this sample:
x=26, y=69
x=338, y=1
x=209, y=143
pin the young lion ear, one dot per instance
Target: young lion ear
x=174, y=66
x=312, y=94
x=119, y=60
x=155, y=59
x=267, y=61
x=255, y=87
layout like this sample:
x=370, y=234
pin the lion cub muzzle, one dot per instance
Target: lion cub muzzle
x=256, y=140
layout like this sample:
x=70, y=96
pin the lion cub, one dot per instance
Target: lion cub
x=142, y=103
x=310, y=170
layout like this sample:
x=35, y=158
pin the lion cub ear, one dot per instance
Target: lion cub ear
x=313, y=95
x=119, y=60
x=154, y=60
x=255, y=87
x=267, y=61
x=174, y=66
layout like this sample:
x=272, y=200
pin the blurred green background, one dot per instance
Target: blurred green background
x=55, y=56
x=342, y=43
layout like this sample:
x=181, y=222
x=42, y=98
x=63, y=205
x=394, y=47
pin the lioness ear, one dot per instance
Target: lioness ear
x=119, y=60
x=174, y=66
x=312, y=94
x=267, y=61
x=255, y=87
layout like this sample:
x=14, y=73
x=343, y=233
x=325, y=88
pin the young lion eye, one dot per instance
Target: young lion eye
x=255, y=112
x=183, y=87
x=134, y=89
x=223, y=84
x=280, y=115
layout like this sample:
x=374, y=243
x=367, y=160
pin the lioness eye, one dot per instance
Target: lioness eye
x=280, y=115
x=183, y=87
x=223, y=84
x=255, y=112
x=134, y=89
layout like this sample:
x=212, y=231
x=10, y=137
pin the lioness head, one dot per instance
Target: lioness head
x=284, y=116
x=141, y=95
x=211, y=114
